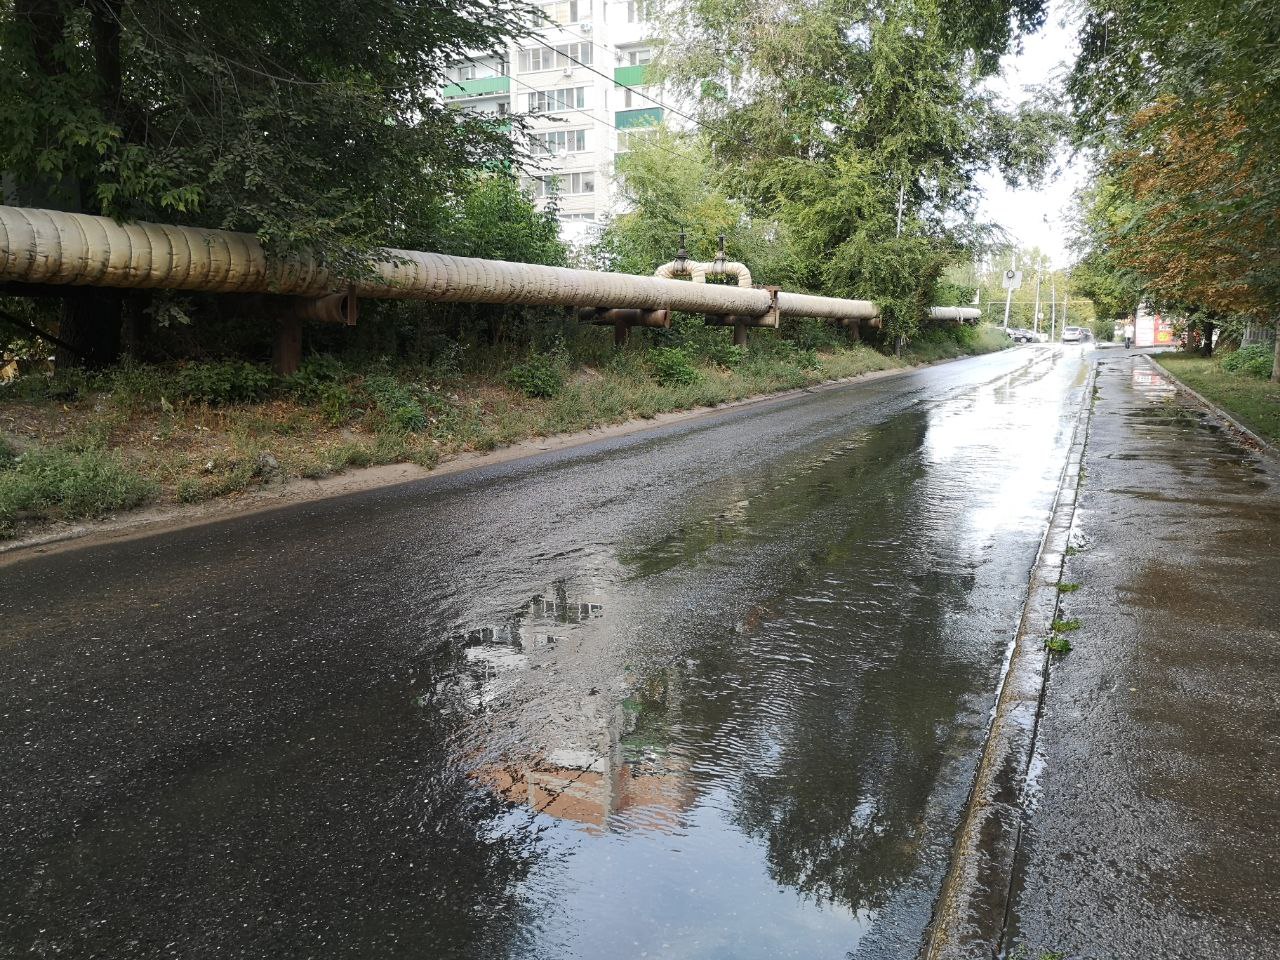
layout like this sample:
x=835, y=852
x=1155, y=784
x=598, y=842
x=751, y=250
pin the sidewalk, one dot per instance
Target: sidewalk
x=1153, y=827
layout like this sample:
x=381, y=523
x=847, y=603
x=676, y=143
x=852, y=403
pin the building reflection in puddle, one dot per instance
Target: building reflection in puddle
x=624, y=777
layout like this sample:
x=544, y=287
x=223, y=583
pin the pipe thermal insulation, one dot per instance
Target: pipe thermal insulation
x=698, y=271
x=47, y=246
x=960, y=314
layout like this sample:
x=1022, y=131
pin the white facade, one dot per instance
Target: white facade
x=581, y=83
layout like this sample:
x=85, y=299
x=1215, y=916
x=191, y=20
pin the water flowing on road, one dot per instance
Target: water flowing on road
x=715, y=690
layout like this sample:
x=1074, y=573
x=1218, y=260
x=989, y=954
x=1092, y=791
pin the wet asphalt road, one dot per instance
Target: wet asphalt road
x=714, y=690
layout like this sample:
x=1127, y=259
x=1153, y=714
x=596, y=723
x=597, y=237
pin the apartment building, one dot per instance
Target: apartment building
x=582, y=82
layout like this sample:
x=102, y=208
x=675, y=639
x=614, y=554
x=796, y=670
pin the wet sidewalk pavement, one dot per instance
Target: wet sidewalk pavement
x=1155, y=794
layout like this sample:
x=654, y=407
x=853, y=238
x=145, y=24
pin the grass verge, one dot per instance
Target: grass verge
x=76, y=446
x=1251, y=400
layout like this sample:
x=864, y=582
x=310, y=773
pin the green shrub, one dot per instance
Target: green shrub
x=1254, y=360
x=224, y=382
x=400, y=404
x=316, y=378
x=541, y=375
x=813, y=333
x=727, y=355
x=670, y=366
x=337, y=404
x=7, y=454
x=61, y=483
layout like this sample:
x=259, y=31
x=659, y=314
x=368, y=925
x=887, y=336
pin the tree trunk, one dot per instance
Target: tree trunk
x=1275, y=363
x=1206, y=344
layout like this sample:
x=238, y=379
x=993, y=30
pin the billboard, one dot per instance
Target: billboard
x=1151, y=329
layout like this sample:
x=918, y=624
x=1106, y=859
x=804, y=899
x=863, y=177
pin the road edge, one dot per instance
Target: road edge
x=165, y=518
x=1264, y=445
x=969, y=916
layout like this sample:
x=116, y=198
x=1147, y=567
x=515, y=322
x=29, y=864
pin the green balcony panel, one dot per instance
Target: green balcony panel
x=483, y=87
x=648, y=117
x=636, y=76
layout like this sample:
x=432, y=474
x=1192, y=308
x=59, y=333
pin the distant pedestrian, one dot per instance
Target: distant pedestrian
x=1128, y=334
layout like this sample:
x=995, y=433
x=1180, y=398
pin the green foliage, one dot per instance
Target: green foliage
x=1254, y=360
x=399, y=403
x=7, y=454
x=540, y=375
x=812, y=333
x=223, y=382
x=1068, y=587
x=1058, y=644
x=820, y=113
x=269, y=118
x=1066, y=626
x=670, y=366
x=67, y=484
x=315, y=377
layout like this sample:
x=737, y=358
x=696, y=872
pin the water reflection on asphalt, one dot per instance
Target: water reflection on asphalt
x=715, y=693
x=784, y=786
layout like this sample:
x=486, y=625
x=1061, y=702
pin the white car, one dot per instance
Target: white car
x=1073, y=334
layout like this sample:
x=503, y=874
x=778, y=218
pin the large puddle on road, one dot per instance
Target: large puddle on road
x=805, y=656
x=744, y=726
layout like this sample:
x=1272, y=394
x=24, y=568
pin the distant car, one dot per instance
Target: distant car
x=1018, y=335
x=1074, y=335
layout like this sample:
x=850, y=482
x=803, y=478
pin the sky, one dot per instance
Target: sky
x=1037, y=217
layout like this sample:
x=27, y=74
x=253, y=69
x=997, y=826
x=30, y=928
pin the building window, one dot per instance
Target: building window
x=554, y=142
x=568, y=11
x=557, y=101
x=546, y=58
x=565, y=184
x=639, y=56
x=581, y=218
x=635, y=11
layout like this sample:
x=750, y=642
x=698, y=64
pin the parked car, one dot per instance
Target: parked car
x=1018, y=335
x=1074, y=335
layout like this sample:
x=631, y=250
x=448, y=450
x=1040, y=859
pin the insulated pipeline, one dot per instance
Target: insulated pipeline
x=54, y=247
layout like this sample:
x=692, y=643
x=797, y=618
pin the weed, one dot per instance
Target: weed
x=1066, y=626
x=316, y=378
x=671, y=366
x=1072, y=551
x=398, y=403
x=1058, y=644
x=1068, y=587
x=541, y=375
x=7, y=454
x=224, y=382
x=60, y=483
x=1254, y=360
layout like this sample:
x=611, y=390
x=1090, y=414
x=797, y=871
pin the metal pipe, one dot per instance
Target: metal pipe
x=632, y=318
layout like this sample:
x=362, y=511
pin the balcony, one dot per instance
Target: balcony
x=636, y=76
x=480, y=87
x=629, y=119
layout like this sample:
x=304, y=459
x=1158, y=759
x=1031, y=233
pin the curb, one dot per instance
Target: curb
x=969, y=917
x=1264, y=445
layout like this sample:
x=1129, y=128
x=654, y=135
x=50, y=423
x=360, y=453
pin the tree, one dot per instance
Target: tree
x=311, y=124
x=1175, y=97
x=826, y=114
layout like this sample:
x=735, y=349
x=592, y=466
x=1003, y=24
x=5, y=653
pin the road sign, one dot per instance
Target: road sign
x=1012, y=279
